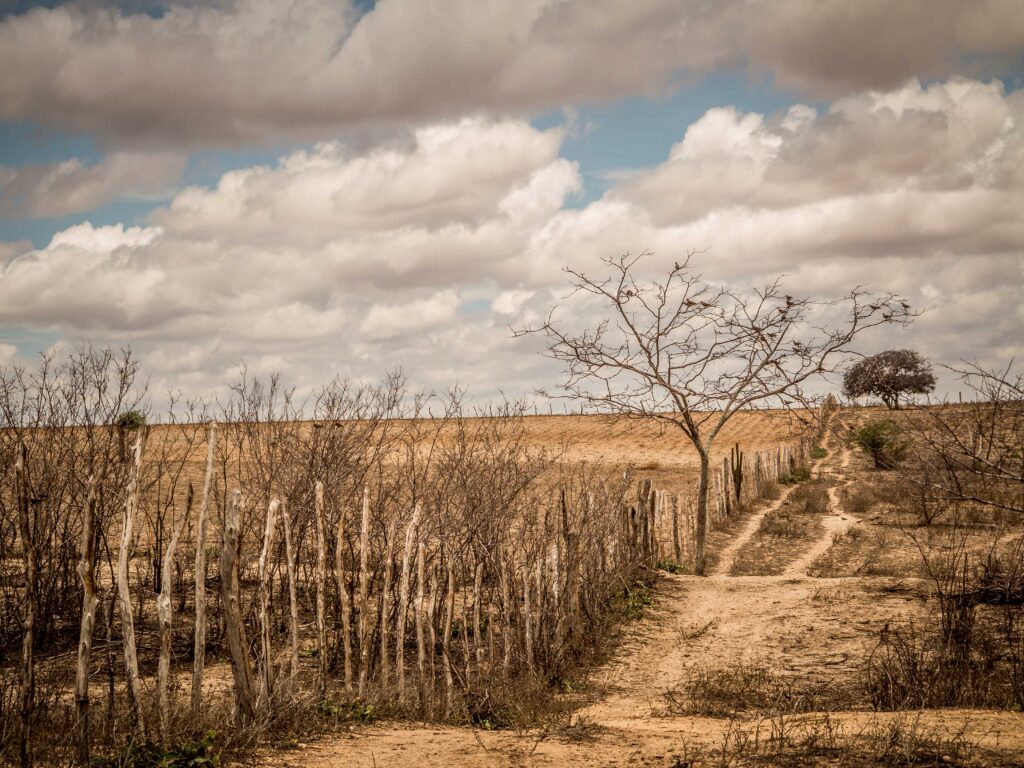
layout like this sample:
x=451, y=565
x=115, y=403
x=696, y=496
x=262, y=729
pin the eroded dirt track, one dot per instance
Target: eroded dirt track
x=814, y=630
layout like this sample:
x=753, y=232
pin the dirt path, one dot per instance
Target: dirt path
x=817, y=630
x=836, y=523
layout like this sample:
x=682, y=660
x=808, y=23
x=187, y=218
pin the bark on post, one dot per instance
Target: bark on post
x=165, y=615
x=241, y=670
x=364, y=607
x=199, y=654
x=321, y=587
x=411, y=533
x=677, y=549
x=477, y=597
x=265, y=579
x=527, y=619
x=131, y=660
x=346, y=605
x=293, y=603
x=87, y=573
x=421, y=609
x=386, y=603
x=28, y=667
x=446, y=634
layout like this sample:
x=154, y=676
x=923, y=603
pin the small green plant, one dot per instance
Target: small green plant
x=130, y=420
x=818, y=453
x=670, y=566
x=188, y=754
x=883, y=441
x=798, y=475
x=354, y=711
x=637, y=598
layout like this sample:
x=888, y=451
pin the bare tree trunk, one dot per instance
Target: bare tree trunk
x=703, y=488
x=199, y=649
x=87, y=573
x=411, y=533
x=131, y=660
x=293, y=603
x=165, y=614
x=28, y=667
x=321, y=588
x=265, y=579
x=241, y=669
x=364, y=607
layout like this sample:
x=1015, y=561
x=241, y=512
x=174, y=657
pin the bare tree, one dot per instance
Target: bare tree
x=971, y=454
x=692, y=355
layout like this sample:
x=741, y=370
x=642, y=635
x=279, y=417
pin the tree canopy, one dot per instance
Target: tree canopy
x=889, y=375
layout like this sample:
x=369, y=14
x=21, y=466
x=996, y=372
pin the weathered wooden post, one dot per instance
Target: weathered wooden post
x=87, y=573
x=199, y=650
x=165, y=615
x=291, y=553
x=131, y=659
x=28, y=549
x=343, y=595
x=364, y=607
x=321, y=586
x=411, y=533
x=421, y=617
x=446, y=636
x=386, y=603
x=265, y=580
x=241, y=670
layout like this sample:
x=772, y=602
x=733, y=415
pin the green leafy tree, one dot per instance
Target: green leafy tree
x=889, y=376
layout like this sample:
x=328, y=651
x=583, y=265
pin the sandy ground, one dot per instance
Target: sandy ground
x=815, y=629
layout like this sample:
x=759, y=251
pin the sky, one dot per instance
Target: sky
x=326, y=188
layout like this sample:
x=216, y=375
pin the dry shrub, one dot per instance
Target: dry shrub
x=752, y=686
x=859, y=499
x=969, y=652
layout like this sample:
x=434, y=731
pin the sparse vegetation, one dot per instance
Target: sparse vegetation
x=883, y=441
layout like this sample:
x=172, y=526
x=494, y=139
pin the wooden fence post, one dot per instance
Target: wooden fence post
x=265, y=580
x=165, y=615
x=241, y=670
x=386, y=602
x=199, y=649
x=87, y=573
x=131, y=659
x=28, y=548
x=421, y=609
x=446, y=634
x=343, y=596
x=411, y=533
x=321, y=586
x=291, y=552
x=364, y=608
